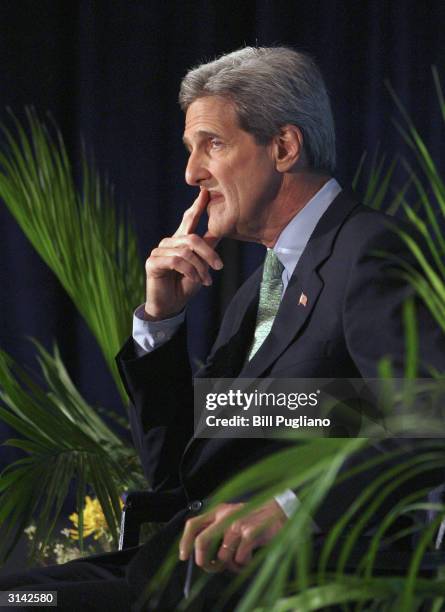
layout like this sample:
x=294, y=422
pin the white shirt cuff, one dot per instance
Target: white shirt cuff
x=288, y=502
x=150, y=335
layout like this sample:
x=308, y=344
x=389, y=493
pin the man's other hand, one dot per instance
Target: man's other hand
x=178, y=267
x=219, y=546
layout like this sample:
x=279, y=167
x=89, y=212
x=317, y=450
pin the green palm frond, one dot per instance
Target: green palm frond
x=79, y=234
x=64, y=441
x=374, y=592
x=292, y=569
x=428, y=277
x=377, y=184
x=417, y=144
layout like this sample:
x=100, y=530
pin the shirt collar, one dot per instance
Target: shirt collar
x=295, y=236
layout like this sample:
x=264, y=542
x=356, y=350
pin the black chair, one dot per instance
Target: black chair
x=144, y=507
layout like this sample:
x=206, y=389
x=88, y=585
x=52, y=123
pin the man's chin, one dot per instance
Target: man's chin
x=218, y=229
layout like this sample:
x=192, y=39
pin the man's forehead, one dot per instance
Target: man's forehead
x=209, y=116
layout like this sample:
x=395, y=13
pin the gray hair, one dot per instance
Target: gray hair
x=270, y=87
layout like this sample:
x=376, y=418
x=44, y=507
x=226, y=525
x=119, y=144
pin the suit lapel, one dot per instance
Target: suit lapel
x=304, y=288
x=228, y=353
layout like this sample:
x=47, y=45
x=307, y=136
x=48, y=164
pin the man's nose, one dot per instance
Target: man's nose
x=196, y=171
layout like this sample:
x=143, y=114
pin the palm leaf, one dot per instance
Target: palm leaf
x=429, y=184
x=377, y=185
x=79, y=234
x=65, y=442
x=319, y=463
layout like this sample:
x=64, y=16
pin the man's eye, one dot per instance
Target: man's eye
x=215, y=143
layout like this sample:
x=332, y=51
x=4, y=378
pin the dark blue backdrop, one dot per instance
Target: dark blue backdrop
x=110, y=71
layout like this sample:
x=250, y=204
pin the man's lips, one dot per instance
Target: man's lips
x=215, y=195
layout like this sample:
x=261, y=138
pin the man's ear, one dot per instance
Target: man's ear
x=288, y=148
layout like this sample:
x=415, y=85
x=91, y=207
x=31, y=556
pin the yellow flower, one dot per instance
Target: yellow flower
x=93, y=520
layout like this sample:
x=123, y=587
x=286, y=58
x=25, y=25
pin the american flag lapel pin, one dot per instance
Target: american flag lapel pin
x=303, y=300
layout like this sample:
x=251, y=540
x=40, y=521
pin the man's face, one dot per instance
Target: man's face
x=239, y=174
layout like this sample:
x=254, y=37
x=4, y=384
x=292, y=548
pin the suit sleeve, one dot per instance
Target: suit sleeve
x=159, y=385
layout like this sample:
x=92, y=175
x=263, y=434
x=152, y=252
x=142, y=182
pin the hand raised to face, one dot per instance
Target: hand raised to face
x=179, y=265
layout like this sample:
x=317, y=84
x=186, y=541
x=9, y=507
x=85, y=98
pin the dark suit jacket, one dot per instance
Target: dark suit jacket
x=352, y=319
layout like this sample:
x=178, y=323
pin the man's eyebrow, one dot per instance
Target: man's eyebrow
x=201, y=134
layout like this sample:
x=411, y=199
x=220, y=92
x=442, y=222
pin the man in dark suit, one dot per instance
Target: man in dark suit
x=260, y=135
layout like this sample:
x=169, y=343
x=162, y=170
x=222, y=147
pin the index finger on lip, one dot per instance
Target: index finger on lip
x=192, y=215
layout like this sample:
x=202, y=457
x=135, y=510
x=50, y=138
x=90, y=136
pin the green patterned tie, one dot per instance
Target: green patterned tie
x=270, y=296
